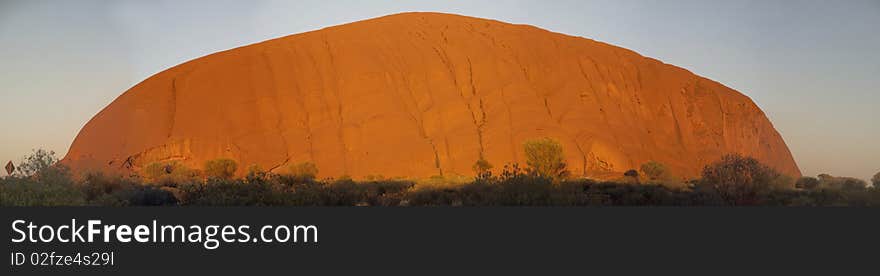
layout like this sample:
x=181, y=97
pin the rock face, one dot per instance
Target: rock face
x=424, y=94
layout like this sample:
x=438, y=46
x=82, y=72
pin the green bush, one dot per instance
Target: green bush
x=735, y=180
x=545, y=158
x=739, y=180
x=220, y=168
x=16, y=191
x=39, y=162
x=40, y=181
x=96, y=187
x=169, y=173
x=305, y=171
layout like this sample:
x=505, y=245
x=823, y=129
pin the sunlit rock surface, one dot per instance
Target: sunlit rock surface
x=423, y=94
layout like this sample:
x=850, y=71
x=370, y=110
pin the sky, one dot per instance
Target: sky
x=812, y=66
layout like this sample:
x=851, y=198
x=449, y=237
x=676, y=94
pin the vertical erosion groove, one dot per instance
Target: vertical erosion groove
x=301, y=102
x=340, y=132
x=173, y=105
x=478, y=124
x=280, y=118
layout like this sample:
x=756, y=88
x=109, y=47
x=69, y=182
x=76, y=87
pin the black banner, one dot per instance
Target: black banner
x=542, y=241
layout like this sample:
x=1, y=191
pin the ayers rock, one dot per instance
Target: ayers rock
x=424, y=94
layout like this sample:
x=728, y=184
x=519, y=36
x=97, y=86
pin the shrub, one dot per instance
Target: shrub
x=850, y=183
x=783, y=182
x=95, y=186
x=43, y=166
x=16, y=191
x=631, y=177
x=875, y=181
x=384, y=192
x=372, y=193
x=305, y=171
x=155, y=170
x=518, y=187
x=255, y=173
x=40, y=181
x=524, y=190
x=655, y=171
x=734, y=180
x=631, y=173
x=168, y=173
x=807, y=183
x=841, y=183
x=40, y=161
x=343, y=192
x=141, y=195
x=102, y=190
x=220, y=168
x=739, y=180
x=226, y=192
x=443, y=196
x=545, y=158
x=477, y=193
x=482, y=169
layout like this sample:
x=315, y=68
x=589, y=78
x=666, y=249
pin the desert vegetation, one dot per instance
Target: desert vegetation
x=545, y=158
x=733, y=180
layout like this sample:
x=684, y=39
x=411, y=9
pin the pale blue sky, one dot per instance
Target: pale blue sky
x=813, y=66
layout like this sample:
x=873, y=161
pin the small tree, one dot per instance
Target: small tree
x=39, y=161
x=220, y=168
x=875, y=181
x=655, y=170
x=545, y=158
x=739, y=180
x=40, y=180
x=482, y=169
x=43, y=166
x=306, y=171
